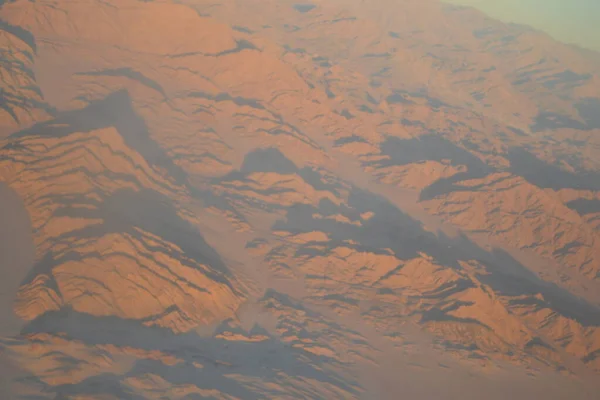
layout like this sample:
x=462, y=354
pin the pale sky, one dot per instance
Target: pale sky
x=571, y=21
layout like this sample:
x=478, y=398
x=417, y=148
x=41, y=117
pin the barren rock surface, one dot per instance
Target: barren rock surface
x=248, y=199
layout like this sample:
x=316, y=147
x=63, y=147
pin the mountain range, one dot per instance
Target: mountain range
x=256, y=199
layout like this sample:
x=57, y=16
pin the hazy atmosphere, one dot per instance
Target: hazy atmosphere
x=273, y=199
x=570, y=21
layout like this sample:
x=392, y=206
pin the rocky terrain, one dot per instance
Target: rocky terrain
x=252, y=199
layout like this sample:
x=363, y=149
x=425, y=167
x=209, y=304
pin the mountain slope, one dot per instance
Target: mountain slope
x=111, y=233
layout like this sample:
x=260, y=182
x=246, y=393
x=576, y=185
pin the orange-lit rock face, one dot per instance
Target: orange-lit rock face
x=109, y=239
x=272, y=199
